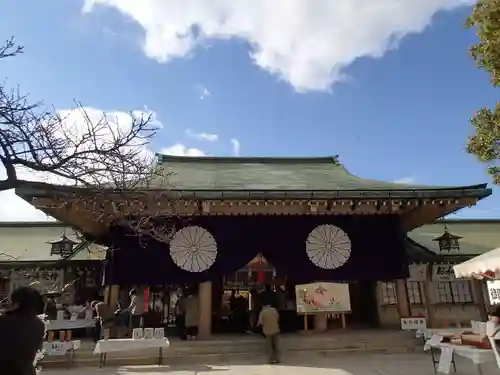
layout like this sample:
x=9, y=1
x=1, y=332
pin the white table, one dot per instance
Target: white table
x=66, y=324
x=428, y=332
x=65, y=348
x=104, y=347
x=477, y=356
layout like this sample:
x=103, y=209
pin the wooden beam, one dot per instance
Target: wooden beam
x=430, y=212
x=96, y=216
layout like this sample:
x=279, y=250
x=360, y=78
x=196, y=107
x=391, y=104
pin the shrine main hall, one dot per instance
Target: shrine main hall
x=219, y=221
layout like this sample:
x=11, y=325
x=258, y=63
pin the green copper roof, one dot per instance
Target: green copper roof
x=478, y=236
x=306, y=175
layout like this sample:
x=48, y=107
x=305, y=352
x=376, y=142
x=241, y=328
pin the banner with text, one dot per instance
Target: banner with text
x=443, y=273
x=493, y=291
x=322, y=297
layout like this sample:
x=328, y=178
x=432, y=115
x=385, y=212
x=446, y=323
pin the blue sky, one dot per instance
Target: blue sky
x=269, y=78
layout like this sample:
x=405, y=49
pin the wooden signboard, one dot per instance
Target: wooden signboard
x=317, y=298
x=322, y=297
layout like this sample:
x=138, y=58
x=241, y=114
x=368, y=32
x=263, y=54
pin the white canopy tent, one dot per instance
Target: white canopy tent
x=487, y=264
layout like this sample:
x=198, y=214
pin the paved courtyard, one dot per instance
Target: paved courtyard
x=299, y=364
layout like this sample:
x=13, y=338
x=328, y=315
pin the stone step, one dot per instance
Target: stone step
x=240, y=348
x=216, y=359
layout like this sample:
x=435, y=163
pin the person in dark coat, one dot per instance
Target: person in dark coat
x=21, y=333
x=50, y=309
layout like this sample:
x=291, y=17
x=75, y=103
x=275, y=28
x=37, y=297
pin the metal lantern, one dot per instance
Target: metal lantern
x=448, y=241
x=62, y=247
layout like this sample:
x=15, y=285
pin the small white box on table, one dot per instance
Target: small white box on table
x=137, y=333
x=159, y=333
x=149, y=333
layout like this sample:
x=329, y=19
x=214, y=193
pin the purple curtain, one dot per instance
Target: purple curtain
x=377, y=250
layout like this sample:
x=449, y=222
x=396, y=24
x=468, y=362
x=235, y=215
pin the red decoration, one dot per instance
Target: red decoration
x=488, y=274
x=260, y=276
x=146, y=299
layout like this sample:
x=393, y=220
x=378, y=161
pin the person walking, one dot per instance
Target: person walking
x=269, y=321
x=191, y=308
x=21, y=333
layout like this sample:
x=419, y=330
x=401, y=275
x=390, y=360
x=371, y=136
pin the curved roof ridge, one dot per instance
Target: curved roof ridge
x=334, y=159
x=413, y=186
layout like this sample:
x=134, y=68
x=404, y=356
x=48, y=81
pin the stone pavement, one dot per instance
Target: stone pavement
x=298, y=364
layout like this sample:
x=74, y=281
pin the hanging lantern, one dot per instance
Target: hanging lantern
x=62, y=247
x=448, y=241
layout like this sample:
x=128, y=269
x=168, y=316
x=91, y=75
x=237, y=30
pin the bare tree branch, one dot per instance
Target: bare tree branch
x=96, y=153
x=10, y=49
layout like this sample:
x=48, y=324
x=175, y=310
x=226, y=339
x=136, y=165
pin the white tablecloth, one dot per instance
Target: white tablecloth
x=66, y=324
x=60, y=348
x=477, y=356
x=124, y=345
x=428, y=332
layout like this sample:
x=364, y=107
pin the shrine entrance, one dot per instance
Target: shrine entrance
x=364, y=305
x=236, y=298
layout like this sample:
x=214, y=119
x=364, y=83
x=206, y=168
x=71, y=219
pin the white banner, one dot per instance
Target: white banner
x=443, y=273
x=322, y=297
x=418, y=272
x=493, y=291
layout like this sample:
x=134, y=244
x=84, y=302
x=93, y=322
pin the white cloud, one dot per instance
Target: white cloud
x=204, y=92
x=13, y=208
x=202, y=136
x=181, y=150
x=307, y=43
x=406, y=180
x=236, y=147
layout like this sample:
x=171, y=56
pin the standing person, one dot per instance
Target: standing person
x=21, y=332
x=269, y=321
x=191, y=308
x=180, y=314
x=122, y=322
x=50, y=309
x=136, y=309
x=280, y=297
x=255, y=308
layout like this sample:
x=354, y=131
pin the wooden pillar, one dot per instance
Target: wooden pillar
x=205, y=310
x=427, y=290
x=69, y=277
x=111, y=295
x=402, y=298
x=107, y=293
x=477, y=287
x=320, y=322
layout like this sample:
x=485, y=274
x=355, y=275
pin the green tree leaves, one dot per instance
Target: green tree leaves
x=485, y=143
